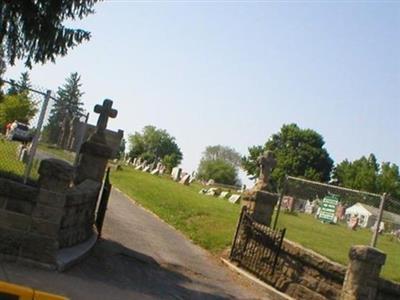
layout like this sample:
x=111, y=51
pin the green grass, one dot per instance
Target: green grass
x=57, y=152
x=9, y=164
x=334, y=241
x=210, y=222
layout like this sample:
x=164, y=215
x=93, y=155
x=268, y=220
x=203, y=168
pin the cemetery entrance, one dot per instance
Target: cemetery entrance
x=256, y=247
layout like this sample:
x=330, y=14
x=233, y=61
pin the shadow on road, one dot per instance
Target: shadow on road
x=113, y=264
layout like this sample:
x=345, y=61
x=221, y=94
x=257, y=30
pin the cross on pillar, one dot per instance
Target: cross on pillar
x=106, y=111
x=266, y=162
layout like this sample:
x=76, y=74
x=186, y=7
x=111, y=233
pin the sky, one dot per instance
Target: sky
x=233, y=72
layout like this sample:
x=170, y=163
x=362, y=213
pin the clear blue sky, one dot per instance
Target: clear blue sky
x=233, y=73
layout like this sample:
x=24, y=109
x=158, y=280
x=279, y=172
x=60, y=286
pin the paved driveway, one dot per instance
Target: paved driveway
x=140, y=257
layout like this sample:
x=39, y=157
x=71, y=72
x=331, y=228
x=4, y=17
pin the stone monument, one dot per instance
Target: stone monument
x=259, y=202
x=95, y=152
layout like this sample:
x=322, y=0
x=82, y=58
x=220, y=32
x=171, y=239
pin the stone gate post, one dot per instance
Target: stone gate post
x=361, y=280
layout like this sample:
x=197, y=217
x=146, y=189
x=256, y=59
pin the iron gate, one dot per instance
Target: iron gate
x=256, y=247
x=105, y=195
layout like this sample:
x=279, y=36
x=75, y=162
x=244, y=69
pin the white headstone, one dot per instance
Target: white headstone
x=185, y=179
x=155, y=172
x=176, y=173
x=234, y=198
x=224, y=194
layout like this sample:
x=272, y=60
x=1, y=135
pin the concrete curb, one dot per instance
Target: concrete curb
x=273, y=293
x=68, y=257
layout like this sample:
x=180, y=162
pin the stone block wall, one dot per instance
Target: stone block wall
x=35, y=222
x=388, y=290
x=304, y=274
x=79, y=213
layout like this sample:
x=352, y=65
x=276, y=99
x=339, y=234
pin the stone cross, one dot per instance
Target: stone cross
x=266, y=162
x=106, y=111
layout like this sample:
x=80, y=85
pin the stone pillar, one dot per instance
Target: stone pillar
x=93, y=160
x=55, y=175
x=95, y=152
x=261, y=205
x=362, y=276
x=259, y=202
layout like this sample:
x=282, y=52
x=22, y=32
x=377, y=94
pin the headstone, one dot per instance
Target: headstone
x=192, y=179
x=223, y=194
x=310, y=207
x=203, y=191
x=185, y=179
x=234, y=198
x=176, y=173
x=146, y=168
x=212, y=192
x=155, y=172
x=211, y=182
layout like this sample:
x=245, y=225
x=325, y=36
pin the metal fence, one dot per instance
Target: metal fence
x=22, y=120
x=338, y=216
x=256, y=246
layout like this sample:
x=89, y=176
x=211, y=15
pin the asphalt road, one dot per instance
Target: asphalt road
x=139, y=257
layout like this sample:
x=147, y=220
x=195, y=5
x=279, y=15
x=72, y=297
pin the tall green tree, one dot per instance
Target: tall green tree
x=219, y=163
x=21, y=86
x=68, y=105
x=35, y=31
x=299, y=152
x=155, y=145
x=365, y=174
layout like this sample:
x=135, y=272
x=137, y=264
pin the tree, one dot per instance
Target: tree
x=121, y=149
x=68, y=105
x=155, y=145
x=22, y=86
x=219, y=170
x=16, y=107
x=34, y=30
x=219, y=163
x=299, y=152
x=224, y=153
x=365, y=174
x=360, y=174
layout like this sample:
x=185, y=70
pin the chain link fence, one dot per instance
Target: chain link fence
x=24, y=111
x=330, y=219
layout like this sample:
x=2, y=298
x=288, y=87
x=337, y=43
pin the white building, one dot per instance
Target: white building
x=367, y=216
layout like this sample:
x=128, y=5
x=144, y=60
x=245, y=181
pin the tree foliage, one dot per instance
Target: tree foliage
x=17, y=103
x=221, y=171
x=299, y=152
x=34, y=30
x=16, y=107
x=68, y=105
x=366, y=174
x=224, y=153
x=219, y=163
x=155, y=145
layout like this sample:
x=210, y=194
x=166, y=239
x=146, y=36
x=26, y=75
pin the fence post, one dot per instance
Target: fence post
x=35, y=141
x=278, y=209
x=378, y=221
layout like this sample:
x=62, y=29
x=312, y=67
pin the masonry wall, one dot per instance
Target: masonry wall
x=388, y=290
x=35, y=223
x=304, y=274
x=79, y=214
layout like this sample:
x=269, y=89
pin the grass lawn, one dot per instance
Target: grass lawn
x=9, y=164
x=210, y=222
x=57, y=152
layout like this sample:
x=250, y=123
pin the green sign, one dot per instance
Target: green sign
x=328, y=206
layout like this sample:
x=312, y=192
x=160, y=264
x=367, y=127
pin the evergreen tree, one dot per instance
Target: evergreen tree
x=20, y=87
x=68, y=105
x=34, y=30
